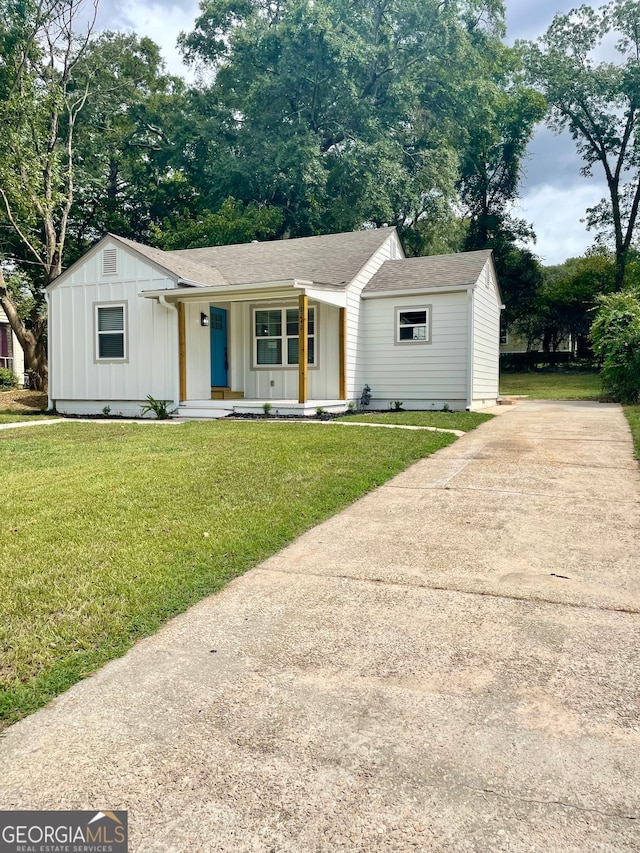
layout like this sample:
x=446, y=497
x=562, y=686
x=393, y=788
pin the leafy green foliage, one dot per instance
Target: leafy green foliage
x=365, y=129
x=8, y=379
x=569, y=295
x=158, y=407
x=616, y=341
x=233, y=223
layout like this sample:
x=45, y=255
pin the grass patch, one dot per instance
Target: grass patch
x=632, y=414
x=19, y=417
x=552, y=386
x=443, y=420
x=114, y=528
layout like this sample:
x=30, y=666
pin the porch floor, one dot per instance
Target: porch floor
x=208, y=409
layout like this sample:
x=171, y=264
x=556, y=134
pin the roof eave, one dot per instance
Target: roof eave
x=416, y=291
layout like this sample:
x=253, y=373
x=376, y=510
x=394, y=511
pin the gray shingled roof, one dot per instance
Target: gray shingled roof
x=184, y=268
x=328, y=259
x=459, y=270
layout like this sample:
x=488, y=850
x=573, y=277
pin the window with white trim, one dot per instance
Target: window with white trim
x=111, y=337
x=413, y=325
x=276, y=337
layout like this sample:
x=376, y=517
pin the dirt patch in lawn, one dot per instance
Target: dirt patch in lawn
x=23, y=401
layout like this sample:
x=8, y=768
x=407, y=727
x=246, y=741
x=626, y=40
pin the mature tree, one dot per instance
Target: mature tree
x=39, y=108
x=124, y=143
x=338, y=112
x=599, y=103
x=569, y=296
x=233, y=223
x=500, y=128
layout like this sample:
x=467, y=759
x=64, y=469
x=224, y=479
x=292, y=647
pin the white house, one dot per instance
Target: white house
x=298, y=324
x=11, y=354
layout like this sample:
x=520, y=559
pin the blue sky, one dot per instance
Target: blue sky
x=554, y=195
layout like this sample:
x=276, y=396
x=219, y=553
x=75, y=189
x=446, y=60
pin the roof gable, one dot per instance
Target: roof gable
x=460, y=270
x=188, y=272
x=184, y=269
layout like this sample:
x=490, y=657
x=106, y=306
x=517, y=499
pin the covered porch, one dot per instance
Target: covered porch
x=280, y=346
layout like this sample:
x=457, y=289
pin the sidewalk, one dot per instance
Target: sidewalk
x=451, y=664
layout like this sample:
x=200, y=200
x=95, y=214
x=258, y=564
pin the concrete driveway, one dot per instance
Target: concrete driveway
x=451, y=664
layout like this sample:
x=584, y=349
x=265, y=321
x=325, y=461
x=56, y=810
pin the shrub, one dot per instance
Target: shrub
x=8, y=379
x=615, y=334
x=158, y=407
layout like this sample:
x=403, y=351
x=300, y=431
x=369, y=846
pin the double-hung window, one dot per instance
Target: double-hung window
x=276, y=337
x=413, y=325
x=111, y=332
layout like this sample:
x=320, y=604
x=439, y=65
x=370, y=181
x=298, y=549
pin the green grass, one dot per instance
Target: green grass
x=443, y=420
x=19, y=417
x=633, y=417
x=112, y=528
x=552, y=386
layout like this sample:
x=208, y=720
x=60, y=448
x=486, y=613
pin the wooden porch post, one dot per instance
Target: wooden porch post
x=303, y=346
x=182, y=349
x=343, y=354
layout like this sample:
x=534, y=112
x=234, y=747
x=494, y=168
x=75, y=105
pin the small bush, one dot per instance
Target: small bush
x=158, y=407
x=615, y=334
x=8, y=379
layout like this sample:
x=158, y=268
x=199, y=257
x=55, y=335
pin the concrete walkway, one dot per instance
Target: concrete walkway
x=451, y=664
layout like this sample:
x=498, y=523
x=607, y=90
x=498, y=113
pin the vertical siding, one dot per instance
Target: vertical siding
x=486, y=339
x=420, y=374
x=356, y=356
x=257, y=384
x=151, y=330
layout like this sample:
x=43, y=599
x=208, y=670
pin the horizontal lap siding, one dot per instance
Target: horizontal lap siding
x=486, y=337
x=435, y=371
x=151, y=335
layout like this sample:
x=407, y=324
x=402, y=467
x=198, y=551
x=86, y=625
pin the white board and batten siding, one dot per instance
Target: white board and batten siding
x=486, y=340
x=274, y=383
x=419, y=375
x=79, y=384
x=390, y=250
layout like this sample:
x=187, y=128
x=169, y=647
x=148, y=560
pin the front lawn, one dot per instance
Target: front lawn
x=443, y=420
x=633, y=417
x=552, y=386
x=107, y=530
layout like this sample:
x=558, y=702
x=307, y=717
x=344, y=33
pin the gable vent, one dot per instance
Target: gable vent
x=393, y=252
x=109, y=262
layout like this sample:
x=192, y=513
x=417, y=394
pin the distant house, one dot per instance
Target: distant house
x=298, y=324
x=11, y=354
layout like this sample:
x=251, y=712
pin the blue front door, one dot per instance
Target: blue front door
x=219, y=362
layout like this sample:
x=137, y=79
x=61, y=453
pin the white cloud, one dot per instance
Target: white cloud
x=556, y=212
x=161, y=22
